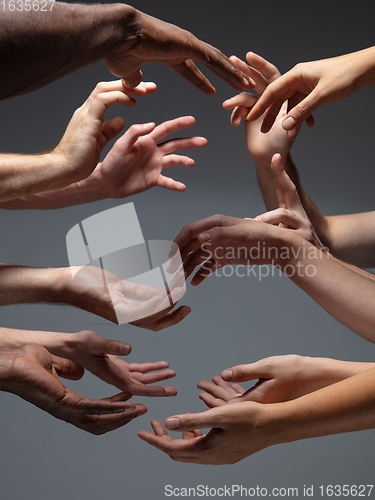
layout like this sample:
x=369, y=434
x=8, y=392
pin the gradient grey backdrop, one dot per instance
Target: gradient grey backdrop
x=233, y=320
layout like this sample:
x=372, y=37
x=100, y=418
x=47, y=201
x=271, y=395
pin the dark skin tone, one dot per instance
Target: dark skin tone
x=32, y=373
x=43, y=47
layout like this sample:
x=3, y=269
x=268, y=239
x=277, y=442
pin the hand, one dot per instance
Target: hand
x=120, y=298
x=308, y=86
x=136, y=161
x=261, y=146
x=99, y=356
x=219, y=241
x=237, y=431
x=290, y=214
x=86, y=135
x=32, y=372
x=157, y=41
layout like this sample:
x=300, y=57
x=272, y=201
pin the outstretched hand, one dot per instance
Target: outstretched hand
x=136, y=161
x=34, y=377
x=157, y=41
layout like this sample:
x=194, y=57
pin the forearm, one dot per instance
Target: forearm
x=346, y=406
x=44, y=46
x=59, y=344
x=345, y=294
x=27, y=285
x=85, y=191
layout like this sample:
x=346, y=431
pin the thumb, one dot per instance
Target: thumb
x=133, y=79
x=191, y=421
x=243, y=373
x=117, y=348
x=110, y=129
x=67, y=369
x=217, y=235
x=301, y=111
x=135, y=132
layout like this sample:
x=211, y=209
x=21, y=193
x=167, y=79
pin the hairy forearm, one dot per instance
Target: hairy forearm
x=37, y=48
x=27, y=285
x=85, y=191
x=345, y=294
x=346, y=406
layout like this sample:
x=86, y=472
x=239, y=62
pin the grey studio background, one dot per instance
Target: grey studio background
x=233, y=320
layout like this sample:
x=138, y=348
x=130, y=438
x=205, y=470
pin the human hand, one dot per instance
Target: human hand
x=136, y=161
x=120, y=298
x=157, y=41
x=307, y=87
x=99, y=356
x=261, y=146
x=290, y=214
x=32, y=373
x=79, y=150
x=237, y=431
x=219, y=241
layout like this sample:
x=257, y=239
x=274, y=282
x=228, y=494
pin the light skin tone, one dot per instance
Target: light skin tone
x=241, y=429
x=92, y=352
x=308, y=86
x=43, y=47
x=350, y=238
x=71, y=174
x=27, y=285
x=32, y=373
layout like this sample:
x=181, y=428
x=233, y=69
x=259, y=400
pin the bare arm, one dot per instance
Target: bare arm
x=37, y=48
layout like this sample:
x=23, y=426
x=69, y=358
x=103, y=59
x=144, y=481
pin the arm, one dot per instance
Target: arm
x=348, y=237
x=31, y=373
x=99, y=356
x=280, y=378
x=44, y=46
x=308, y=86
x=242, y=429
x=134, y=164
x=79, y=150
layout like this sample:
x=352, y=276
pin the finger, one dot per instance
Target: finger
x=135, y=132
x=171, y=184
x=301, y=111
x=243, y=373
x=237, y=114
x=151, y=378
x=192, y=74
x=169, y=127
x=271, y=114
x=178, y=258
x=67, y=369
x=204, y=272
x=100, y=424
x=182, y=143
x=265, y=67
x=159, y=429
x=171, y=319
x=110, y=129
x=195, y=259
x=286, y=186
x=220, y=65
x=244, y=99
x=147, y=367
x=283, y=216
x=133, y=79
x=211, y=401
x=254, y=74
x=191, y=421
x=104, y=100
x=174, y=160
x=99, y=407
x=139, y=389
x=175, y=447
x=216, y=391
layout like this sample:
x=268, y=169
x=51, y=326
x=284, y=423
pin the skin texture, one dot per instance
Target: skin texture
x=26, y=285
x=308, y=86
x=44, y=47
x=32, y=373
x=92, y=352
x=241, y=429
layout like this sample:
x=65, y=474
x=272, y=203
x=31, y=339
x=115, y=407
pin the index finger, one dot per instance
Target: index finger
x=274, y=91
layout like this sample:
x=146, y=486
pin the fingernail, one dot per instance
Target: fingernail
x=289, y=123
x=125, y=349
x=253, y=82
x=205, y=236
x=245, y=81
x=129, y=409
x=184, y=314
x=227, y=374
x=258, y=218
x=148, y=125
x=172, y=423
